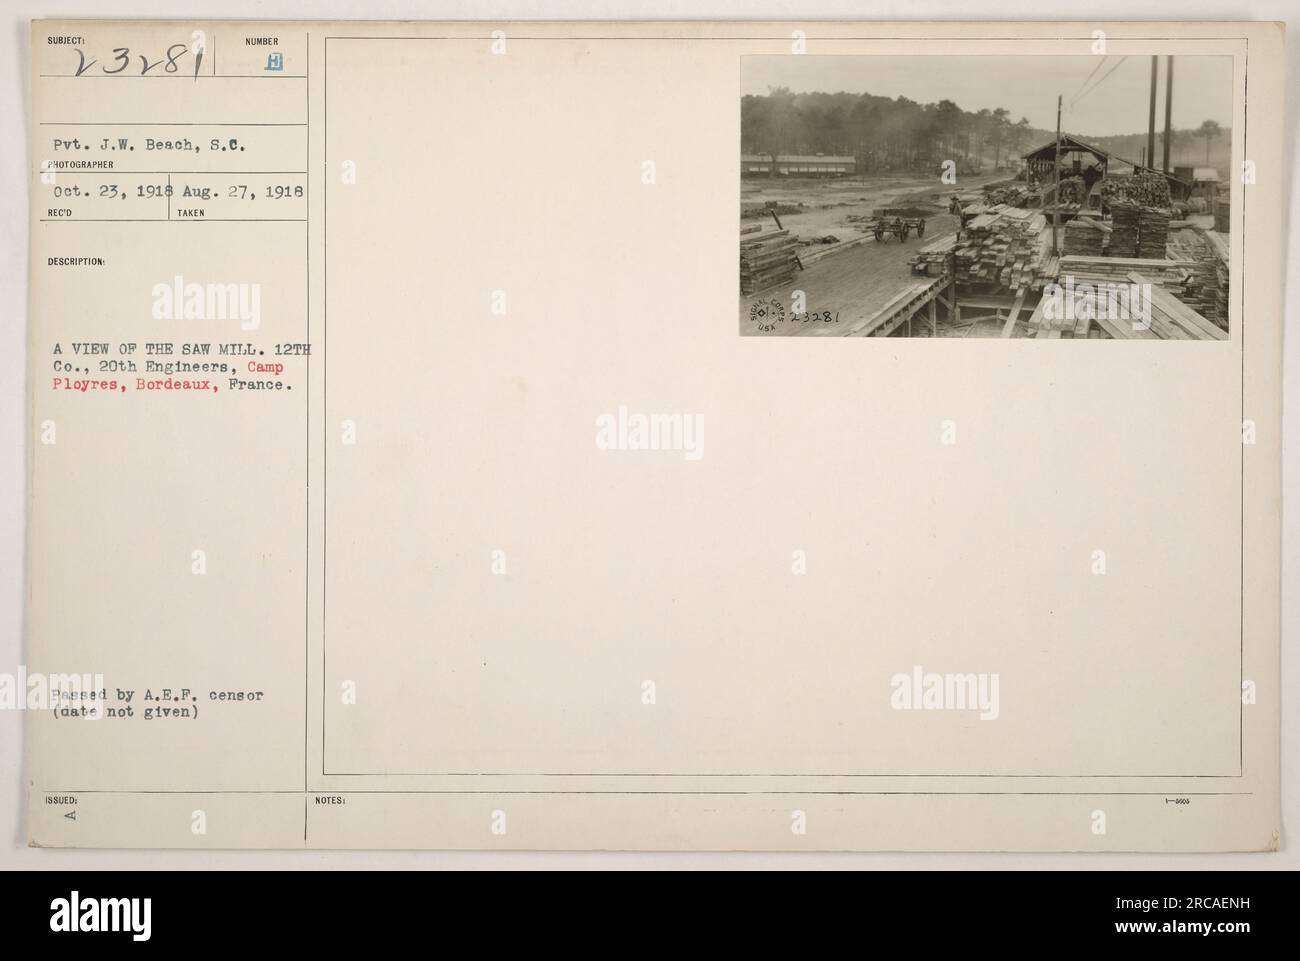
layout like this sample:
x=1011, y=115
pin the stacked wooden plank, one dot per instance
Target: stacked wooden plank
x=1120, y=319
x=1009, y=194
x=1132, y=305
x=1153, y=232
x=1047, y=271
x=1138, y=230
x=932, y=259
x=1171, y=314
x=1206, y=290
x=1171, y=274
x=767, y=260
x=1124, y=321
x=1083, y=237
x=1043, y=327
x=1045, y=323
x=1123, y=240
x=1001, y=247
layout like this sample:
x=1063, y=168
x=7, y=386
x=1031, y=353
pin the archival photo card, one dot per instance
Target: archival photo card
x=398, y=478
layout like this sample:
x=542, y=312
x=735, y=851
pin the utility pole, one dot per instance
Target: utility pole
x=1150, y=158
x=1056, y=170
x=1169, y=105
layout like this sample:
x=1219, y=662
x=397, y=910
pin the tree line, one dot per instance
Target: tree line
x=1209, y=145
x=881, y=133
x=901, y=134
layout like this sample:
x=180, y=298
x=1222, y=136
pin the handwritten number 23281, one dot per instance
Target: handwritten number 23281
x=170, y=61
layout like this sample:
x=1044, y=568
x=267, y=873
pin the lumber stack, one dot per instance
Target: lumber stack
x=1153, y=232
x=1138, y=230
x=1174, y=320
x=1084, y=237
x=1146, y=189
x=1173, y=275
x=1206, y=290
x=1002, y=246
x=932, y=259
x=1012, y=195
x=1118, y=295
x=1123, y=230
x=767, y=260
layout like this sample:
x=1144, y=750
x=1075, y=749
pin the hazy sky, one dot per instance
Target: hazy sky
x=1026, y=86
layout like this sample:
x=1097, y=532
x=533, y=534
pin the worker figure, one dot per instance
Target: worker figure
x=955, y=208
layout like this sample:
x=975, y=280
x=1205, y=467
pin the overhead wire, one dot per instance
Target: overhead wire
x=1100, y=81
x=1090, y=76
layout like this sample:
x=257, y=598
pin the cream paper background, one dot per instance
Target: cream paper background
x=627, y=566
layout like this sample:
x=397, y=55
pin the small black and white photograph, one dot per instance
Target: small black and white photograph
x=980, y=196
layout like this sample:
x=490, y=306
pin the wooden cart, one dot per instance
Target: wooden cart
x=888, y=223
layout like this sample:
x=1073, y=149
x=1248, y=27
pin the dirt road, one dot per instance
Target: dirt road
x=829, y=203
x=841, y=289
